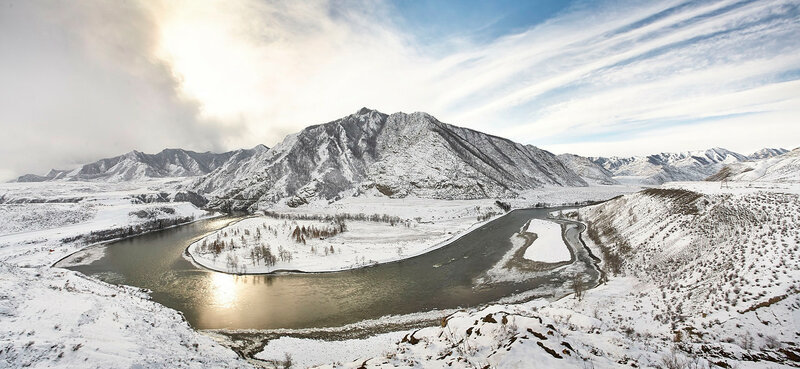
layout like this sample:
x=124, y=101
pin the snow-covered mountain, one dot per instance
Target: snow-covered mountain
x=780, y=168
x=394, y=155
x=767, y=153
x=590, y=171
x=666, y=167
x=138, y=165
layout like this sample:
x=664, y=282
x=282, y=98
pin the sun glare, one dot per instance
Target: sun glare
x=223, y=289
x=215, y=64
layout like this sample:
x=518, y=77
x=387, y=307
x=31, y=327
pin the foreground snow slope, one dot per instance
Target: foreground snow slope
x=52, y=317
x=721, y=263
x=58, y=318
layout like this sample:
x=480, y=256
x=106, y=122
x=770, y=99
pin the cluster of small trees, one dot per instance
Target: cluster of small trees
x=284, y=255
x=148, y=226
x=379, y=218
x=503, y=205
x=301, y=234
x=486, y=216
x=262, y=254
x=217, y=246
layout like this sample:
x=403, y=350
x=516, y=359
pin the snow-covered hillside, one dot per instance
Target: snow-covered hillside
x=696, y=279
x=722, y=264
x=59, y=318
x=666, y=167
x=52, y=317
x=137, y=165
x=590, y=171
x=779, y=168
x=394, y=155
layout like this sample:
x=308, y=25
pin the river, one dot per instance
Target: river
x=441, y=279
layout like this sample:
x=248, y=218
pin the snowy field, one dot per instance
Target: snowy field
x=549, y=246
x=558, y=196
x=310, y=352
x=285, y=241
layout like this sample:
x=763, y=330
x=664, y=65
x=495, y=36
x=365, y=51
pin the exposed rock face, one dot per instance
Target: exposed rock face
x=590, y=171
x=393, y=155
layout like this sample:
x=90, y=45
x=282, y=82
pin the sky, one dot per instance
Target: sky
x=92, y=79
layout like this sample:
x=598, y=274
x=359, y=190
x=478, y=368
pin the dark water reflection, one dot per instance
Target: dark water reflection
x=212, y=300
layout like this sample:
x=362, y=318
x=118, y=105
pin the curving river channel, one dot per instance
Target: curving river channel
x=442, y=279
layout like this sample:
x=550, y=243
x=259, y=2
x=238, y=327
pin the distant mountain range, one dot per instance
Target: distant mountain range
x=137, y=165
x=400, y=155
x=665, y=167
x=683, y=166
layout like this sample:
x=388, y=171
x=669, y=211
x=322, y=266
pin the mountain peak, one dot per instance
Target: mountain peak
x=395, y=155
x=366, y=111
x=767, y=152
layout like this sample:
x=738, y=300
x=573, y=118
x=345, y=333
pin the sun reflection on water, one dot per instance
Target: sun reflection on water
x=223, y=289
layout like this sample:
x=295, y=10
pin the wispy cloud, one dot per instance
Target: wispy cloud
x=647, y=66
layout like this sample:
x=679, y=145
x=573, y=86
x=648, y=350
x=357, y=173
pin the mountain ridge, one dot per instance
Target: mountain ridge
x=664, y=167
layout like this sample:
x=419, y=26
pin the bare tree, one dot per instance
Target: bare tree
x=578, y=286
